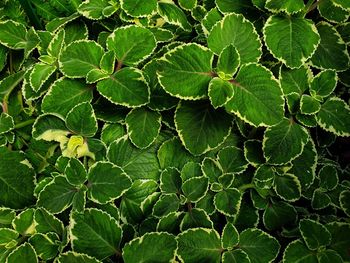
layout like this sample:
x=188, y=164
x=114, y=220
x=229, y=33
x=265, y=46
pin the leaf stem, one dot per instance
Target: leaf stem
x=313, y=6
x=24, y=124
x=246, y=186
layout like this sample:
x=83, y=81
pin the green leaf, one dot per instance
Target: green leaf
x=287, y=187
x=151, y=247
x=93, y=9
x=185, y=71
x=74, y=257
x=260, y=246
x=40, y=74
x=13, y=34
x=56, y=100
x=56, y=44
x=284, y=142
x=304, y=166
x=81, y=120
x=328, y=176
x=45, y=245
x=288, y=6
x=75, y=172
x=314, y=234
x=57, y=195
x=173, y=15
x=170, y=181
x=200, y=127
x=295, y=80
x=229, y=237
x=6, y=216
x=6, y=123
x=139, y=8
x=264, y=177
x=228, y=201
x=24, y=223
x=343, y=3
x=334, y=117
x=257, y=97
x=25, y=253
x=188, y=4
x=79, y=57
x=16, y=179
x=309, y=105
x=107, y=182
x=220, y=92
x=126, y=87
x=95, y=233
x=332, y=12
x=340, y=238
x=329, y=256
x=332, y=52
x=95, y=75
x=191, y=170
x=211, y=168
x=228, y=61
x=111, y=132
x=199, y=245
x=143, y=126
x=172, y=154
x=235, y=29
x=195, y=188
x=344, y=200
x=253, y=152
x=132, y=205
x=323, y=84
x=231, y=160
x=235, y=256
x=165, y=205
x=279, y=214
x=8, y=236
x=107, y=62
x=46, y=222
x=320, y=199
x=297, y=252
x=137, y=163
x=194, y=218
x=131, y=44
x=292, y=40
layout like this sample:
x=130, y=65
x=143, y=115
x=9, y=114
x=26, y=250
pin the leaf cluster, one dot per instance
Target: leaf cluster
x=174, y=131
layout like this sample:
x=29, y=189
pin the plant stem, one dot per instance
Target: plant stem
x=246, y=186
x=313, y=6
x=24, y=124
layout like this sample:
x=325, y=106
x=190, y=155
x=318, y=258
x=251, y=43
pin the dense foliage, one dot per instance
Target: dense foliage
x=165, y=131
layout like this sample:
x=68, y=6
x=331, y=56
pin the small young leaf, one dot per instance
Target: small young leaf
x=231, y=160
x=220, y=91
x=309, y=105
x=229, y=237
x=6, y=123
x=195, y=188
x=173, y=15
x=324, y=83
x=40, y=74
x=228, y=62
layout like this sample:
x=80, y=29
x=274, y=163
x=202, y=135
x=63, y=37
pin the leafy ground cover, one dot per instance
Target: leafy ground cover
x=174, y=131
